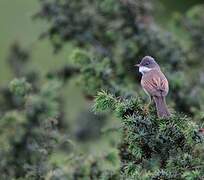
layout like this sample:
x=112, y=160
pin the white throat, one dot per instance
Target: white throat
x=143, y=69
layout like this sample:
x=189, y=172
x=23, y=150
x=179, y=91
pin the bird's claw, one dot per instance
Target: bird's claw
x=146, y=109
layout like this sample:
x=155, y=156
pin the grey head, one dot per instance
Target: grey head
x=148, y=63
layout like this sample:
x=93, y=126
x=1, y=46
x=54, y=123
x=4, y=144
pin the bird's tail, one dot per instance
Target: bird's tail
x=162, y=110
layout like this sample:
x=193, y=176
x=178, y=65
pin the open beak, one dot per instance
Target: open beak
x=137, y=65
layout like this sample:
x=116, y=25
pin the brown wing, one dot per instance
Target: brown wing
x=155, y=83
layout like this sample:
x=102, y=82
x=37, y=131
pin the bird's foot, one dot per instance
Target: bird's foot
x=146, y=109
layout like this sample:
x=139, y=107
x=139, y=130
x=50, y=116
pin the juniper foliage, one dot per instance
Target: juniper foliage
x=152, y=147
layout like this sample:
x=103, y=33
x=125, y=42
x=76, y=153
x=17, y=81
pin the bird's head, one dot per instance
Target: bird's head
x=147, y=64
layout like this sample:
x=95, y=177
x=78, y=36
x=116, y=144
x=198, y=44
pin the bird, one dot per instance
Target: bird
x=155, y=84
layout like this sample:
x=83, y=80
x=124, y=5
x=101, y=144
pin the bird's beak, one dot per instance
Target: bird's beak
x=137, y=65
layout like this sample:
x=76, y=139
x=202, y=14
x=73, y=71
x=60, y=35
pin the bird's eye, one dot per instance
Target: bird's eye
x=147, y=63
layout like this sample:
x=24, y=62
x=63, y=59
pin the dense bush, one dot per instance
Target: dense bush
x=153, y=147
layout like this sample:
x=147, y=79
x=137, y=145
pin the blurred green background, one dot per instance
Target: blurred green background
x=17, y=25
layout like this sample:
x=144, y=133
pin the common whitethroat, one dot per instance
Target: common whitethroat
x=155, y=84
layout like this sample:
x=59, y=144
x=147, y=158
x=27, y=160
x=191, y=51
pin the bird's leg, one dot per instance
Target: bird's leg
x=146, y=107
